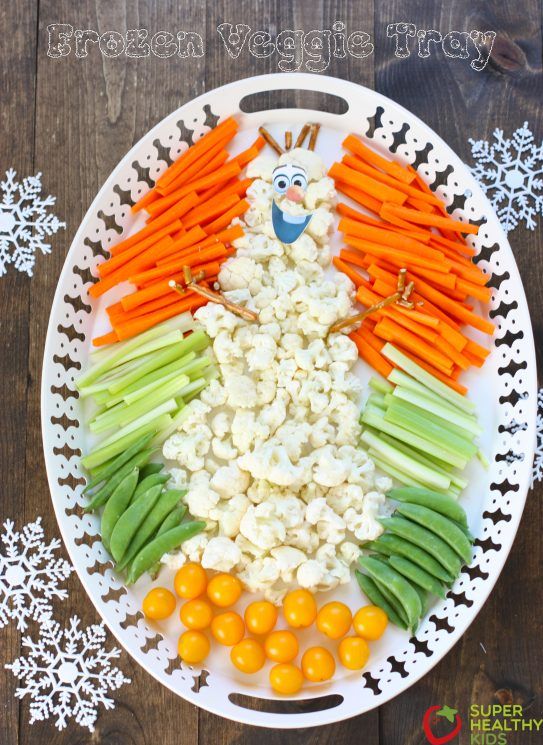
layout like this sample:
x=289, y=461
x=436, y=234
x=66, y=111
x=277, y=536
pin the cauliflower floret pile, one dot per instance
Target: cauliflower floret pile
x=269, y=453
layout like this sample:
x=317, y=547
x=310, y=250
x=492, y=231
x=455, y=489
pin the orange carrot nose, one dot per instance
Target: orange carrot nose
x=295, y=194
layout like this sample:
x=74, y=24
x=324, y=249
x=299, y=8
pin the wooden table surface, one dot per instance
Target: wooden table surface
x=73, y=119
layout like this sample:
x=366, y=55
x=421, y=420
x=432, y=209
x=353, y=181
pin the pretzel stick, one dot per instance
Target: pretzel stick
x=401, y=280
x=360, y=316
x=313, y=136
x=270, y=140
x=216, y=297
x=288, y=140
x=302, y=136
x=188, y=274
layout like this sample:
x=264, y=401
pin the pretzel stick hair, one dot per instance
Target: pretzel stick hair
x=288, y=140
x=360, y=316
x=271, y=141
x=302, y=136
x=313, y=136
x=216, y=297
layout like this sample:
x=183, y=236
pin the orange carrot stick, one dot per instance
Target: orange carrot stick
x=371, y=356
x=146, y=199
x=423, y=318
x=190, y=257
x=224, y=221
x=447, y=379
x=369, y=298
x=366, y=184
x=128, y=329
x=226, y=172
x=210, y=210
x=194, y=169
x=187, y=241
x=457, y=357
x=194, y=152
x=430, y=260
x=364, y=200
x=346, y=211
x=365, y=331
x=462, y=248
x=109, y=266
x=234, y=186
x=387, y=237
x=224, y=236
x=474, y=290
x=358, y=165
x=109, y=338
x=357, y=147
x=390, y=331
x=390, y=209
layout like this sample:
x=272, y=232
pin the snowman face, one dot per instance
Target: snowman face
x=290, y=181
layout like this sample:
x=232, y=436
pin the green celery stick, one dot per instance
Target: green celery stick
x=105, y=453
x=435, y=385
x=460, y=418
x=108, y=469
x=378, y=421
x=165, y=408
x=412, y=467
x=380, y=385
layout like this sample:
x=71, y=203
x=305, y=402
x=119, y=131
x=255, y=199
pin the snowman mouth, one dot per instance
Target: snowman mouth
x=288, y=228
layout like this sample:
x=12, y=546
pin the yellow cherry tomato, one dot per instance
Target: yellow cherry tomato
x=224, y=590
x=159, y=603
x=286, y=679
x=370, y=622
x=190, y=581
x=299, y=608
x=318, y=664
x=260, y=617
x=248, y=656
x=228, y=628
x=353, y=652
x=281, y=646
x=334, y=619
x=196, y=614
x=193, y=647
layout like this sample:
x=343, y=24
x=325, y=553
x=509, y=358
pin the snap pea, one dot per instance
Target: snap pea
x=151, y=468
x=103, y=472
x=131, y=519
x=372, y=592
x=117, y=504
x=392, y=600
x=441, y=503
x=424, y=603
x=392, y=544
x=161, y=509
x=417, y=575
x=104, y=493
x=424, y=539
x=170, y=521
x=161, y=545
x=148, y=482
x=441, y=526
x=396, y=584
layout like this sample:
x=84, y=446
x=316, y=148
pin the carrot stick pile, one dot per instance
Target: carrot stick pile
x=411, y=230
x=189, y=209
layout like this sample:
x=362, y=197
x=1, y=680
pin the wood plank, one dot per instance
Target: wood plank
x=18, y=75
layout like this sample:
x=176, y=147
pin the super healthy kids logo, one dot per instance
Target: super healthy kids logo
x=294, y=49
x=490, y=724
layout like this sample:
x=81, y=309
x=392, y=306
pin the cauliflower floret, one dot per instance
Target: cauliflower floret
x=189, y=450
x=294, y=435
x=214, y=395
x=304, y=248
x=201, y=498
x=341, y=497
x=341, y=348
x=318, y=192
x=265, y=392
x=225, y=348
x=337, y=572
x=288, y=509
x=262, y=354
x=241, y=391
x=307, y=159
x=194, y=548
x=246, y=430
x=238, y=272
x=230, y=480
x=364, y=524
x=215, y=318
x=221, y=554
x=318, y=228
x=303, y=537
x=322, y=432
x=330, y=527
x=220, y=424
x=260, y=167
x=288, y=560
x=271, y=461
x=349, y=552
x=195, y=413
x=310, y=574
x=179, y=479
x=330, y=470
x=260, y=574
x=249, y=550
x=228, y=514
x=274, y=414
x=260, y=526
x=223, y=448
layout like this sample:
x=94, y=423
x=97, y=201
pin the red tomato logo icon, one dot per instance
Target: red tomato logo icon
x=431, y=718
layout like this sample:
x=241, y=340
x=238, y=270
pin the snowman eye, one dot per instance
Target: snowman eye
x=299, y=180
x=281, y=183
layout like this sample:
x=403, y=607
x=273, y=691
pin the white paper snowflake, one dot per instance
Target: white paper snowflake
x=24, y=222
x=30, y=574
x=67, y=673
x=510, y=172
x=537, y=471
